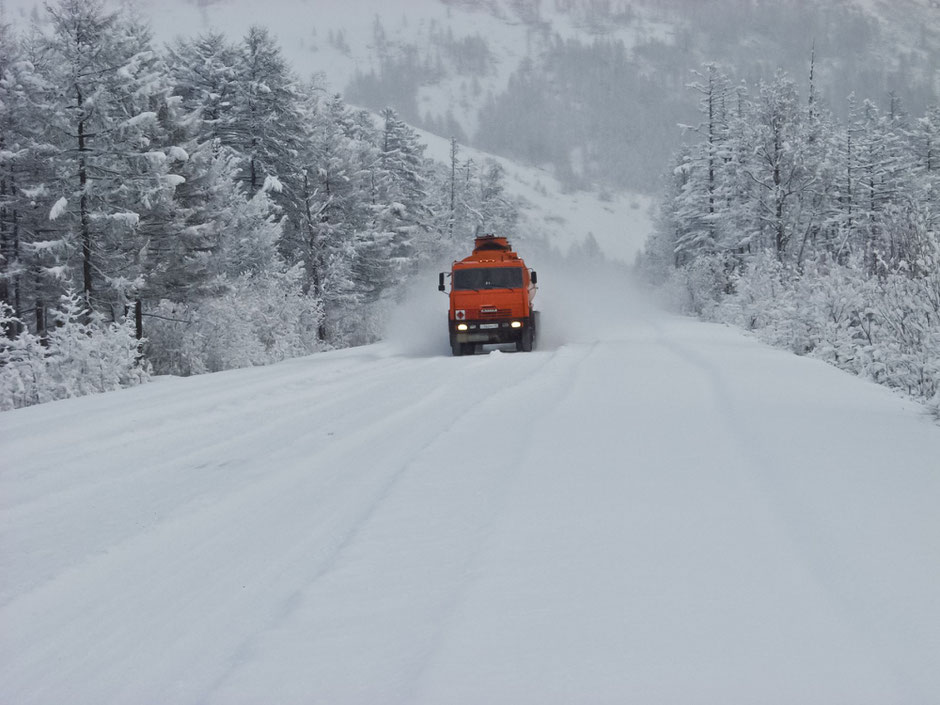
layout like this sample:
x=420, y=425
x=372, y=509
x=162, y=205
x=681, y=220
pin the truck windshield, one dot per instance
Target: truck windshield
x=488, y=278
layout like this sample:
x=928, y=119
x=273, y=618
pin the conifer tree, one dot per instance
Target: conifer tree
x=109, y=93
x=712, y=188
x=31, y=257
x=778, y=165
x=203, y=72
x=267, y=125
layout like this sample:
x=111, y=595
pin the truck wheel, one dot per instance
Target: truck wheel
x=524, y=344
x=457, y=348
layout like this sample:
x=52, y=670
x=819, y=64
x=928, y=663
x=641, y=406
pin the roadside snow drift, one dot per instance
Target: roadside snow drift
x=647, y=509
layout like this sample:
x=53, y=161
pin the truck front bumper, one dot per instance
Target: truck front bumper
x=503, y=330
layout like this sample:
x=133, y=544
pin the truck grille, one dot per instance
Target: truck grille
x=494, y=313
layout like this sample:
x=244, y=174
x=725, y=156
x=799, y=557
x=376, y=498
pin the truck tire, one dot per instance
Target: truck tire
x=524, y=344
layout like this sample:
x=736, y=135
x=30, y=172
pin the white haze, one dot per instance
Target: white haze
x=579, y=301
x=417, y=321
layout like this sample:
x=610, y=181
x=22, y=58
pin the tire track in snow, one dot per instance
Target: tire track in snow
x=444, y=619
x=201, y=466
x=263, y=498
x=355, y=527
x=156, y=418
x=763, y=476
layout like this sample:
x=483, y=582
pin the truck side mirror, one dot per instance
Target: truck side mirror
x=535, y=277
x=440, y=282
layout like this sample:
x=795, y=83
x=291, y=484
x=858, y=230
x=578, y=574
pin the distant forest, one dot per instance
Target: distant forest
x=600, y=111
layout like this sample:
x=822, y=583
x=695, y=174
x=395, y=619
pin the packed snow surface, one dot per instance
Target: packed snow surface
x=647, y=509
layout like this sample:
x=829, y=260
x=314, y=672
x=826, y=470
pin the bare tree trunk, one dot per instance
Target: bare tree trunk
x=139, y=318
x=314, y=256
x=453, y=187
x=87, y=283
x=40, y=311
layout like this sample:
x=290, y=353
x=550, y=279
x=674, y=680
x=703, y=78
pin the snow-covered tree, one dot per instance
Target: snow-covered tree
x=33, y=256
x=838, y=255
x=266, y=126
x=82, y=354
x=778, y=165
x=111, y=123
x=203, y=71
x=336, y=207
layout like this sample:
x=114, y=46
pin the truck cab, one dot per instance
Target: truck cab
x=491, y=298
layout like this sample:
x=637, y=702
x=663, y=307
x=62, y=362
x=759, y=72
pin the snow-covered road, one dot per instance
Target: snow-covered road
x=647, y=509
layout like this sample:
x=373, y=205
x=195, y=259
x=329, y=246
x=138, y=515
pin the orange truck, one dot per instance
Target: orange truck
x=491, y=294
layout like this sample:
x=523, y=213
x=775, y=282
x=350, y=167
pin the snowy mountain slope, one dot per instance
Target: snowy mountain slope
x=619, y=222
x=446, y=64
x=646, y=509
x=466, y=51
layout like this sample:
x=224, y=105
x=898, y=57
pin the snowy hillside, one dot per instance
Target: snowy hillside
x=590, y=90
x=618, y=222
x=646, y=509
x=455, y=67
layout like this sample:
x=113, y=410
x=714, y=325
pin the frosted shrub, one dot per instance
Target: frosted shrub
x=283, y=318
x=821, y=311
x=763, y=301
x=755, y=285
x=886, y=329
x=933, y=404
x=909, y=333
x=830, y=308
x=174, y=346
x=226, y=328
x=259, y=319
x=367, y=325
x=23, y=379
x=92, y=357
x=698, y=286
x=79, y=357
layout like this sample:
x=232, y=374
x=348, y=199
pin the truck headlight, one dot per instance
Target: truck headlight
x=461, y=326
x=516, y=324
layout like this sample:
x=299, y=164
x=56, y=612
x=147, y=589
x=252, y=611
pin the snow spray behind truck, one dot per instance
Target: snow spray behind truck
x=491, y=294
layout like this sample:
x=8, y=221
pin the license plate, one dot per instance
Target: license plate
x=489, y=325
